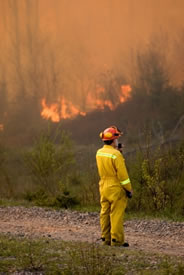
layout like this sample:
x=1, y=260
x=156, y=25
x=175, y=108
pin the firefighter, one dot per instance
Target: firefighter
x=114, y=187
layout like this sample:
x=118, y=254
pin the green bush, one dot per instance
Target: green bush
x=155, y=184
x=65, y=200
x=157, y=180
x=42, y=198
x=39, y=198
x=49, y=163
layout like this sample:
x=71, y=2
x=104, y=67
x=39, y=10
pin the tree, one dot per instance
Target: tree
x=32, y=73
x=151, y=89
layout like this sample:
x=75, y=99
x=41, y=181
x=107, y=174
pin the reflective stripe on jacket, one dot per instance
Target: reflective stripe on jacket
x=111, y=167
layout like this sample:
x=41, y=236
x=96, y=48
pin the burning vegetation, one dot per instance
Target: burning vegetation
x=1, y=127
x=64, y=109
x=79, y=70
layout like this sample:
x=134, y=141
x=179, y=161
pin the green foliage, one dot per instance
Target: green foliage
x=89, y=188
x=89, y=259
x=6, y=186
x=2, y=156
x=50, y=176
x=42, y=198
x=87, y=176
x=65, y=200
x=39, y=198
x=47, y=256
x=49, y=163
x=155, y=183
x=50, y=166
x=168, y=268
x=157, y=178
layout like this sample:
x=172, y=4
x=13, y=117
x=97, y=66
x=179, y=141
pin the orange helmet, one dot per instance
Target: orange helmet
x=110, y=133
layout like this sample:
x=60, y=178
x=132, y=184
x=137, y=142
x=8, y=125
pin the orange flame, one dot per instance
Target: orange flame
x=95, y=103
x=68, y=110
x=65, y=109
x=57, y=111
x=125, y=93
x=50, y=112
x=1, y=127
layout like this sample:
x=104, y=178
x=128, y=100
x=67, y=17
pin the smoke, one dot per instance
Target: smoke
x=72, y=43
x=61, y=59
x=107, y=28
x=104, y=28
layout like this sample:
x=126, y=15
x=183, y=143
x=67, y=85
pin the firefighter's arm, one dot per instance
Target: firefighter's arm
x=122, y=173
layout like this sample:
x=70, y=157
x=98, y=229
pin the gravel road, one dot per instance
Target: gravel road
x=147, y=235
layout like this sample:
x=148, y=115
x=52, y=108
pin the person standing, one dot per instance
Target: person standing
x=114, y=186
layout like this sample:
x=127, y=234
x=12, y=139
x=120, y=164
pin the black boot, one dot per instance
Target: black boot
x=105, y=242
x=114, y=242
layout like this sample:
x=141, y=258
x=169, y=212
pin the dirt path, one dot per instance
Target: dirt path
x=146, y=235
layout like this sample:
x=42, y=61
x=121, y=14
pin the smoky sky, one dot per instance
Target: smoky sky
x=104, y=26
x=104, y=31
x=108, y=26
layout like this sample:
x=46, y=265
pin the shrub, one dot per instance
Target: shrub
x=49, y=163
x=39, y=198
x=157, y=178
x=65, y=200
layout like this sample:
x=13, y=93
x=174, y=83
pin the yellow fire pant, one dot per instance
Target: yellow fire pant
x=113, y=203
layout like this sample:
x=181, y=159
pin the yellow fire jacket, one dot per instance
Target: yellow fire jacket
x=112, y=168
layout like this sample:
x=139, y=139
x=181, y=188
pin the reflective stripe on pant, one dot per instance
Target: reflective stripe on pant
x=113, y=203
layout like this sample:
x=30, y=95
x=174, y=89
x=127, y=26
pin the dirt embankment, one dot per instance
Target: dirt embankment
x=146, y=235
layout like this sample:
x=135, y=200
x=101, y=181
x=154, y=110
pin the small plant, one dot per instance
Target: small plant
x=65, y=200
x=48, y=256
x=48, y=163
x=157, y=176
x=40, y=198
x=155, y=184
x=89, y=259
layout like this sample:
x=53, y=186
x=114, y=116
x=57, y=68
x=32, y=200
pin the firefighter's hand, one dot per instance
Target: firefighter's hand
x=129, y=194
